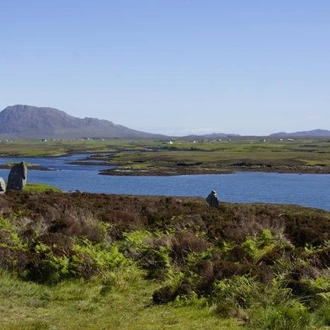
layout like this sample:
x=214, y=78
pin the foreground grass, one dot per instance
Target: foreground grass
x=77, y=305
x=96, y=261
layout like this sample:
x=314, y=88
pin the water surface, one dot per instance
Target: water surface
x=302, y=189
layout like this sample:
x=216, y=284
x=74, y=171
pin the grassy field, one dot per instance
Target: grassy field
x=89, y=261
x=303, y=155
x=30, y=186
x=79, y=305
x=299, y=155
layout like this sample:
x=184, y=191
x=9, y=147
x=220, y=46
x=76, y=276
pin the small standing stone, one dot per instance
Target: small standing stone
x=2, y=186
x=17, y=177
x=212, y=199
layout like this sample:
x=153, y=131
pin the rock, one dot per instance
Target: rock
x=17, y=177
x=2, y=186
x=212, y=199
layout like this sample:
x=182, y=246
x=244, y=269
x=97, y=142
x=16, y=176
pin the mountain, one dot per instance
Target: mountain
x=25, y=121
x=312, y=133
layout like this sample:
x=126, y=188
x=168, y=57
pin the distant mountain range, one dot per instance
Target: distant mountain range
x=25, y=121
x=312, y=133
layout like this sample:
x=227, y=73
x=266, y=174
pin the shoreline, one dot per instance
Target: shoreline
x=29, y=167
x=172, y=171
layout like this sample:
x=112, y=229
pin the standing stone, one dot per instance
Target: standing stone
x=2, y=186
x=212, y=199
x=17, y=177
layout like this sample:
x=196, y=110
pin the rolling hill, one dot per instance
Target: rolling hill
x=312, y=133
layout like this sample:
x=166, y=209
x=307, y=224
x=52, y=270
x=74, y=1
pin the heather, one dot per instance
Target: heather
x=97, y=261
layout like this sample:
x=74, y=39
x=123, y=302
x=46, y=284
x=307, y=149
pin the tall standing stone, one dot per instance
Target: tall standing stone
x=2, y=186
x=17, y=177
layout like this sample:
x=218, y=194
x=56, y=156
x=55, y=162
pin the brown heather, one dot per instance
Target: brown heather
x=203, y=245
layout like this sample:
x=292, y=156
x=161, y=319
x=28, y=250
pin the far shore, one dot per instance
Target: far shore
x=29, y=166
x=178, y=170
x=181, y=156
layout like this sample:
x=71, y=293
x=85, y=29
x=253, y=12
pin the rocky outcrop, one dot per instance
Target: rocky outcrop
x=17, y=177
x=212, y=199
x=2, y=186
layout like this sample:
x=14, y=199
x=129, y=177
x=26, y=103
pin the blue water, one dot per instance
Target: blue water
x=302, y=189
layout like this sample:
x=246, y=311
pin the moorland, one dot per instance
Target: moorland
x=88, y=261
x=97, y=261
x=184, y=156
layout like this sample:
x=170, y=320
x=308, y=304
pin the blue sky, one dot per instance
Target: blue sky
x=171, y=66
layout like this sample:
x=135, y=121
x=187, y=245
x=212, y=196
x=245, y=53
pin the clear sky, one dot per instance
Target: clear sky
x=171, y=66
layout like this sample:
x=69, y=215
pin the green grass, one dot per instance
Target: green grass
x=215, y=154
x=275, y=155
x=40, y=187
x=78, y=305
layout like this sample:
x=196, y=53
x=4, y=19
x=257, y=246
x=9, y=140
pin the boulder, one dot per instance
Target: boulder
x=212, y=199
x=2, y=186
x=17, y=177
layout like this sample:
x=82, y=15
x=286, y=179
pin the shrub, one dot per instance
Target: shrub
x=237, y=293
x=45, y=266
x=151, y=252
x=164, y=295
x=135, y=242
x=185, y=243
x=54, y=262
x=96, y=256
x=260, y=244
x=157, y=262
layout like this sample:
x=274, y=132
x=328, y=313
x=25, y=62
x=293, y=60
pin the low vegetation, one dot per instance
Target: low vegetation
x=96, y=261
x=182, y=156
x=221, y=156
x=30, y=186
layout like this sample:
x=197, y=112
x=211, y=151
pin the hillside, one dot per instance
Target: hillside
x=67, y=261
x=24, y=121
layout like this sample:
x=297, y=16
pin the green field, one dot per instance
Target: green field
x=299, y=155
